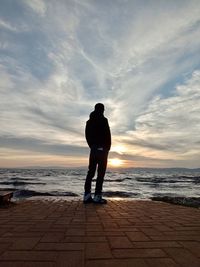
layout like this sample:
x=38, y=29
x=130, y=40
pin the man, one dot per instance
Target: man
x=97, y=133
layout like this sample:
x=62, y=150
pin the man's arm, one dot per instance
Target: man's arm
x=107, y=136
x=88, y=134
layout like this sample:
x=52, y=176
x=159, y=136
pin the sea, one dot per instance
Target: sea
x=139, y=183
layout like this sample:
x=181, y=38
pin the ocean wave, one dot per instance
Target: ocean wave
x=119, y=180
x=186, y=177
x=31, y=193
x=18, y=178
x=18, y=183
x=196, y=180
x=164, y=180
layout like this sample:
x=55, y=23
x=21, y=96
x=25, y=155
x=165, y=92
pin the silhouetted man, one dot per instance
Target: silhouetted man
x=97, y=133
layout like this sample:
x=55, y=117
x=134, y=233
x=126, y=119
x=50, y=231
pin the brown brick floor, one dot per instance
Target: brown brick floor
x=61, y=232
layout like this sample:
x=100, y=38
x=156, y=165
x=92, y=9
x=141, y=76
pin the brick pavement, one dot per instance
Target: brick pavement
x=61, y=232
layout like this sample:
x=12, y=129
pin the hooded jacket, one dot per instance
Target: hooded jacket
x=97, y=131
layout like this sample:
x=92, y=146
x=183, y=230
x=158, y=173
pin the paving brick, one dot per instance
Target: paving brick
x=98, y=251
x=150, y=231
x=155, y=244
x=28, y=256
x=70, y=259
x=94, y=228
x=75, y=226
x=24, y=243
x=19, y=228
x=26, y=264
x=52, y=237
x=116, y=263
x=187, y=228
x=182, y=233
x=4, y=230
x=119, y=242
x=137, y=236
x=128, y=229
x=138, y=253
x=4, y=246
x=162, y=228
x=124, y=222
x=174, y=238
x=85, y=239
x=105, y=233
x=75, y=232
x=192, y=246
x=64, y=220
x=164, y=262
x=24, y=234
x=183, y=257
x=110, y=225
x=59, y=246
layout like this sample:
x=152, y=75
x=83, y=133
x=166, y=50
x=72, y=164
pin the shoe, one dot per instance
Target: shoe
x=99, y=200
x=87, y=198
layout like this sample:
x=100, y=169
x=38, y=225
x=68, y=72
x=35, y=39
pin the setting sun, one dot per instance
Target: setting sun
x=115, y=162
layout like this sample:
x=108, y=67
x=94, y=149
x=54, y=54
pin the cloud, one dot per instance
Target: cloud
x=7, y=26
x=5, y=81
x=37, y=6
x=58, y=60
x=31, y=144
x=170, y=126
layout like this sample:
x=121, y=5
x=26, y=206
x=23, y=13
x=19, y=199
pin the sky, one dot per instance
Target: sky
x=141, y=58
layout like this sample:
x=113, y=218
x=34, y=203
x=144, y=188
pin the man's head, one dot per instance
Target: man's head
x=99, y=108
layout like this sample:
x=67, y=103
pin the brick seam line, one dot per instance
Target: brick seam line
x=107, y=239
x=4, y=250
x=175, y=264
x=106, y=236
x=84, y=250
x=139, y=231
x=38, y=241
x=179, y=242
x=174, y=259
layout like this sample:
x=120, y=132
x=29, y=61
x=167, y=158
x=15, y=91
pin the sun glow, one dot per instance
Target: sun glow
x=118, y=149
x=115, y=162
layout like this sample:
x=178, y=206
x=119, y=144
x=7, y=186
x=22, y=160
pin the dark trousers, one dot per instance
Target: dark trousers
x=98, y=159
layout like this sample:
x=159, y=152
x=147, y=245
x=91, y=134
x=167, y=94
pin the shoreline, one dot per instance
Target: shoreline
x=193, y=202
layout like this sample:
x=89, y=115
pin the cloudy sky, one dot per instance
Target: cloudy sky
x=141, y=58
